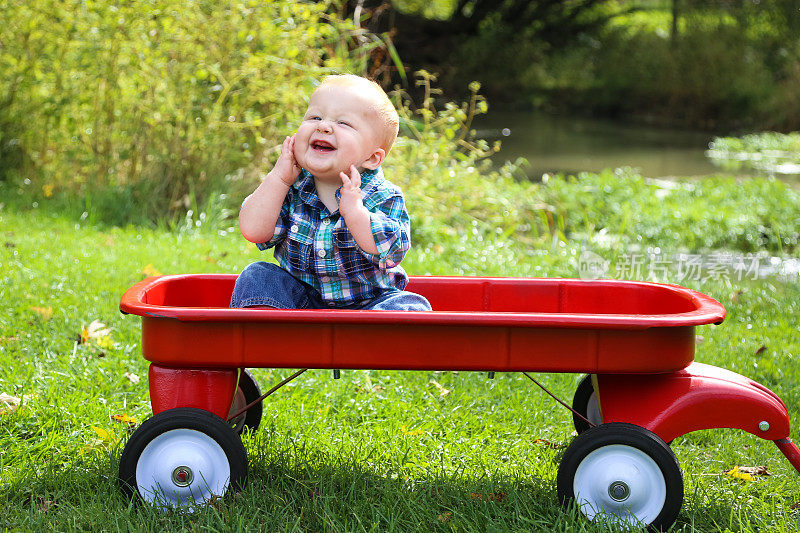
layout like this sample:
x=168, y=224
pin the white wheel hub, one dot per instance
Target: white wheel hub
x=182, y=467
x=621, y=482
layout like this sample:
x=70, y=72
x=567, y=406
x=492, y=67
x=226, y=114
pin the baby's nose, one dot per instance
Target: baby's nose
x=324, y=126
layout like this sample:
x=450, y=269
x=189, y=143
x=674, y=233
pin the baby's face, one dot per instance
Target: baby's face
x=340, y=128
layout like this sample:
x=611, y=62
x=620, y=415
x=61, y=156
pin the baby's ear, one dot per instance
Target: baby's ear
x=375, y=159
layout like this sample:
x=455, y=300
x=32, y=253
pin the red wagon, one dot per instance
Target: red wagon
x=634, y=340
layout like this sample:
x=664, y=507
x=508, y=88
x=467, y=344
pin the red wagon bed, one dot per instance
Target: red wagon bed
x=501, y=324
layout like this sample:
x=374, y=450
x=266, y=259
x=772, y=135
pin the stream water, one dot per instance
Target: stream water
x=554, y=144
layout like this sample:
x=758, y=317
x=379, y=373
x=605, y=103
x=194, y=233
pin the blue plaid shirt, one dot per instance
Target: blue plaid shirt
x=315, y=246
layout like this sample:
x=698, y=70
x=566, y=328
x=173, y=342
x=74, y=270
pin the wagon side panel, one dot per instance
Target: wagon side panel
x=287, y=345
x=553, y=349
x=649, y=350
x=420, y=347
x=601, y=350
x=174, y=343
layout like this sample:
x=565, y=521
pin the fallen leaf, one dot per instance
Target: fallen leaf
x=549, y=444
x=444, y=517
x=43, y=504
x=125, y=419
x=48, y=190
x=734, y=472
x=369, y=388
x=209, y=259
x=754, y=470
x=492, y=496
x=761, y=350
x=795, y=506
x=105, y=342
x=150, y=270
x=45, y=313
x=98, y=332
x=104, y=434
x=8, y=403
x=411, y=432
x=442, y=391
x=133, y=378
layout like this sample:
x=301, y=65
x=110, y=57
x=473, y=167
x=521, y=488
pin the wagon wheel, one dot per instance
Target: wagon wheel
x=585, y=402
x=246, y=392
x=181, y=458
x=624, y=473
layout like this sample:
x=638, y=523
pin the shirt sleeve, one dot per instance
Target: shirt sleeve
x=280, y=226
x=391, y=229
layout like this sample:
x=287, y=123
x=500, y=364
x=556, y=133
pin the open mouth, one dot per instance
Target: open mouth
x=322, y=146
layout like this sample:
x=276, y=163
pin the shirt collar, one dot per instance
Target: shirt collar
x=305, y=188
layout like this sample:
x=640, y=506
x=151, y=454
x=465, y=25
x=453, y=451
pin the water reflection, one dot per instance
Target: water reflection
x=566, y=144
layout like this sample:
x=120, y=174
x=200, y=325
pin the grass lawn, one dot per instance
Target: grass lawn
x=373, y=451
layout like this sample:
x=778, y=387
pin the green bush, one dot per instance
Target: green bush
x=149, y=108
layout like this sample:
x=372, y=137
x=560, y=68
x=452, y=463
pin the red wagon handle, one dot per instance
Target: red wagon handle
x=790, y=450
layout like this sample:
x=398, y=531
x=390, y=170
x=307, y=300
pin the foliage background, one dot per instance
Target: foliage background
x=146, y=109
x=722, y=65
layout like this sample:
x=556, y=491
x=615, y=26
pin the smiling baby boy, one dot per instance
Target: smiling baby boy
x=339, y=228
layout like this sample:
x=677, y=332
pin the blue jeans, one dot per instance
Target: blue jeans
x=268, y=285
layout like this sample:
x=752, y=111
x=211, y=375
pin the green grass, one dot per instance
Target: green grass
x=373, y=451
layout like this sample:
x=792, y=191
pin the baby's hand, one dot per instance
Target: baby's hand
x=350, y=200
x=286, y=167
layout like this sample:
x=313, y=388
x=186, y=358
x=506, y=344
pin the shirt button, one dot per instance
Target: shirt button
x=325, y=279
x=321, y=253
x=294, y=228
x=325, y=221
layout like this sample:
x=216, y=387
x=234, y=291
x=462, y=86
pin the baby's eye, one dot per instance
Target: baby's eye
x=343, y=123
x=314, y=117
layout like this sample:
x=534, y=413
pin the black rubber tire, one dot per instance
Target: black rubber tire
x=247, y=391
x=580, y=403
x=627, y=435
x=182, y=418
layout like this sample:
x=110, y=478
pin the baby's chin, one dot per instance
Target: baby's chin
x=325, y=173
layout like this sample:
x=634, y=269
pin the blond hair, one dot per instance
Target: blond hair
x=385, y=111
